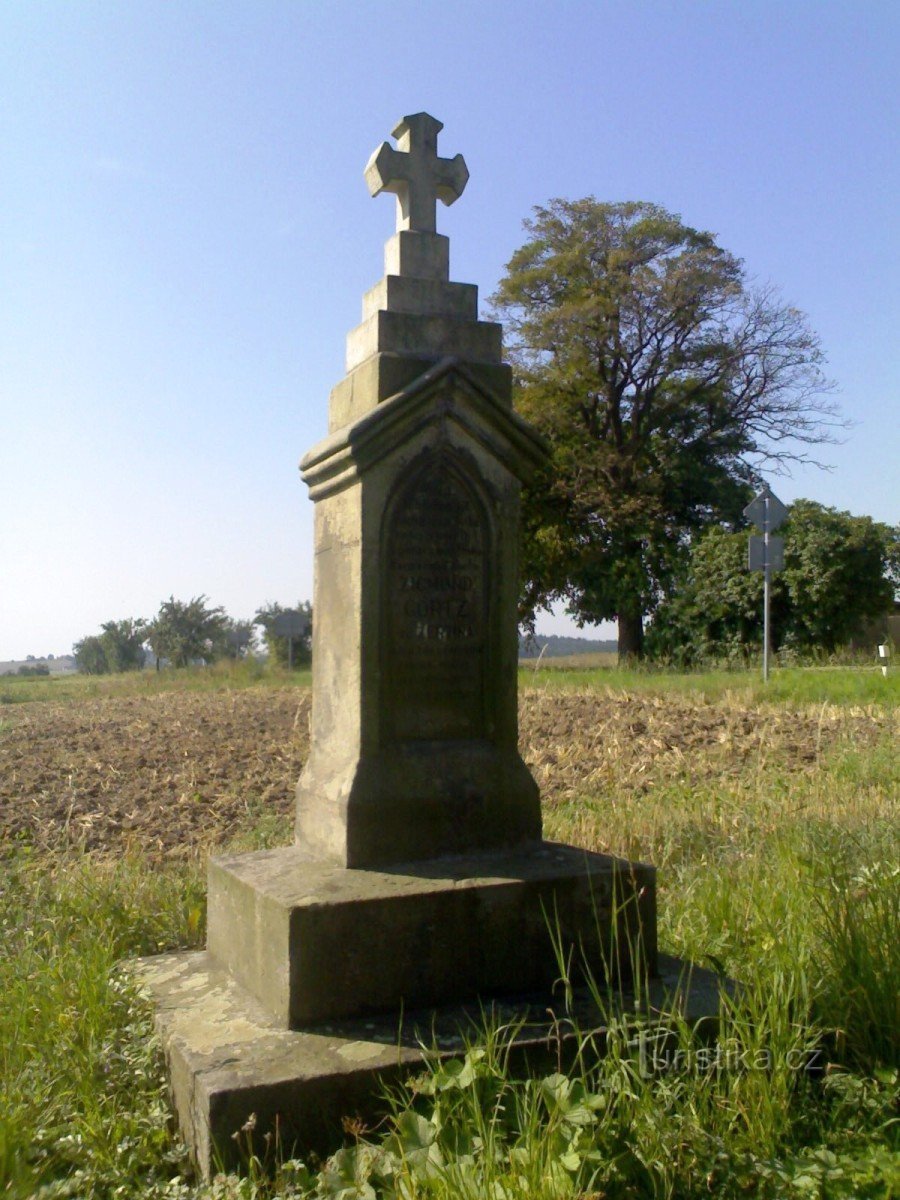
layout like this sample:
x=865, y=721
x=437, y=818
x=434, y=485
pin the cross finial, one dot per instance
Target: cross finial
x=415, y=174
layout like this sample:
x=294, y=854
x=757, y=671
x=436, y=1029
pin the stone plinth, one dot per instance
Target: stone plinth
x=230, y=1060
x=314, y=942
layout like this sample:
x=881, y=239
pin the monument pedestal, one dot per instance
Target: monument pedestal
x=320, y=982
x=314, y=942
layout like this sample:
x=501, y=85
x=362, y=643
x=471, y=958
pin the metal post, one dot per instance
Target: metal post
x=767, y=513
x=767, y=578
x=767, y=575
x=290, y=654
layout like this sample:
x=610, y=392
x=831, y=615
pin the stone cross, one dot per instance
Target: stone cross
x=415, y=174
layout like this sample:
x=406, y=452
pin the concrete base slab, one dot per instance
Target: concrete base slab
x=228, y=1058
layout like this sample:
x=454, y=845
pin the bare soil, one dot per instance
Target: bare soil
x=177, y=772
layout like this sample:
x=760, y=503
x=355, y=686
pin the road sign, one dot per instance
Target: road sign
x=766, y=511
x=758, y=558
x=291, y=624
x=766, y=553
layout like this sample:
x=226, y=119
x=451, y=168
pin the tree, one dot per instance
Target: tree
x=118, y=647
x=662, y=381
x=123, y=643
x=840, y=571
x=276, y=644
x=90, y=656
x=188, y=632
x=39, y=668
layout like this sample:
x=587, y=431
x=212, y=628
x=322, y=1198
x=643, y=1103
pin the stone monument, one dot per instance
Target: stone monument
x=418, y=882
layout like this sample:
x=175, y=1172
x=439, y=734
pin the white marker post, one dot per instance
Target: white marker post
x=766, y=553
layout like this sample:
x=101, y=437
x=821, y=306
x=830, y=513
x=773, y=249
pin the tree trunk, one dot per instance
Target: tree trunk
x=631, y=637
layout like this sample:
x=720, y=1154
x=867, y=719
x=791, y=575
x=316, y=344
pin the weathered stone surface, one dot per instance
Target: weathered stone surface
x=424, y=297
x=229, y=1060
x=415, y=173
x=427, y=336
x=418, y=877
x=313, y=942
x=416, y=582
x=417, y=254
x=384, y=376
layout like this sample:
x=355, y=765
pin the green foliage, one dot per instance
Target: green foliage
x=240, y=638
x=119, y=647
x=658, y=377
x=839, y=572
x=859, y=908
x=30, y=672
x=82, y=1100
x=90, y=656
x=227, y=673
x=277, y=646
x=188, y=632
x=123, y=644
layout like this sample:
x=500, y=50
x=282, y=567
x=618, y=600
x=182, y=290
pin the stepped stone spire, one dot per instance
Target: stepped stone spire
x=414, y=317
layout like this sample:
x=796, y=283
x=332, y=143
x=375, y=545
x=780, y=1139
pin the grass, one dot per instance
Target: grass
x=787, y=880
x=787, y=685
x=81, y=1105
x=16, y=689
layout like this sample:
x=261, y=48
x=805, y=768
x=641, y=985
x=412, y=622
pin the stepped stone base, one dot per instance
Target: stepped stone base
x=229, y=1059
x=314, y=941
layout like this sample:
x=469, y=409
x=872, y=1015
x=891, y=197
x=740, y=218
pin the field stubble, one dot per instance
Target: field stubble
x=177, y=772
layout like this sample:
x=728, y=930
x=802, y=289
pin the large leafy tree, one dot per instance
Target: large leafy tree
x=840, y=572
x=90, y=657
x=188, y=631
x=123, y=643
x=662, y=380
x=118, y=647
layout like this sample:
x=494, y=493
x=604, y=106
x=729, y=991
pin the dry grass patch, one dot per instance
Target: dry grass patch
x=601, y=742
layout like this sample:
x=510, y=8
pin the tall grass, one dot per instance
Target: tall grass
x=80, y=1078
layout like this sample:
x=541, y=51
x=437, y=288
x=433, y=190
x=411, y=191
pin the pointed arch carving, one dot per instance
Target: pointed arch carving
x=437, y=544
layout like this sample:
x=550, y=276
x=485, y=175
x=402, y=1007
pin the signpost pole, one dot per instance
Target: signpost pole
x=766, y=554
x=767, y=579
x=290, y=624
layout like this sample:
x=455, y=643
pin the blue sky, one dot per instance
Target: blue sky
x=185, y=238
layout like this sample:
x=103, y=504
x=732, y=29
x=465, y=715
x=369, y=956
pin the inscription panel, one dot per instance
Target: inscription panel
x=437, y=551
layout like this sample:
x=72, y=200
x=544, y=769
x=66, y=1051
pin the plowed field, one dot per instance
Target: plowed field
x=177, y=772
